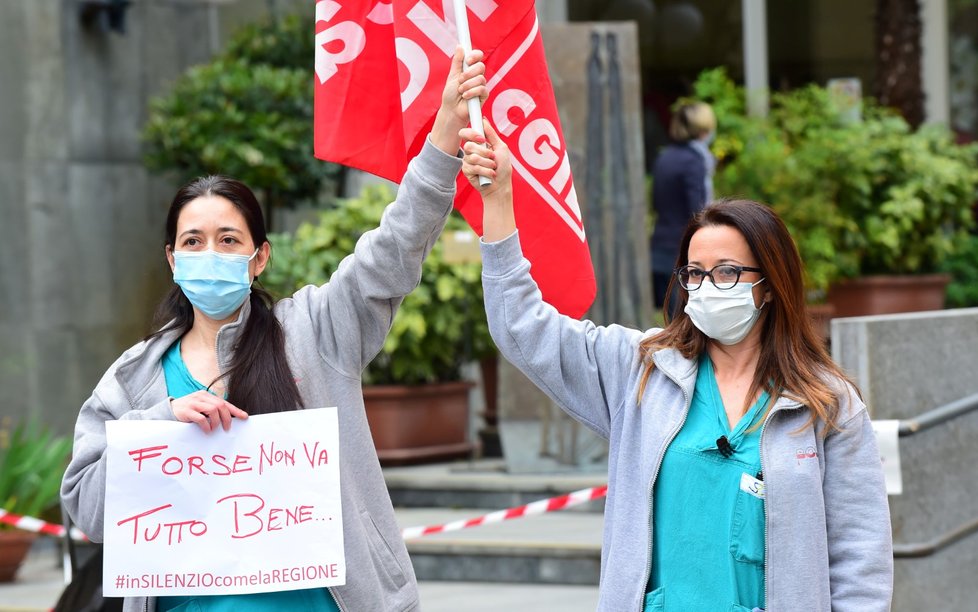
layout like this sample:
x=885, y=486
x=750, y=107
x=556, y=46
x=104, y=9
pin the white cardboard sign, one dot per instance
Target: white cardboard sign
x=888, y=440
x=253, y=509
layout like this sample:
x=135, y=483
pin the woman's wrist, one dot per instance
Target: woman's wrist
x=444, y=132
x=498, y=219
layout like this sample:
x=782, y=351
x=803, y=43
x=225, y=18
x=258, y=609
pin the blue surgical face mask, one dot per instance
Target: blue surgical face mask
x=215, y=283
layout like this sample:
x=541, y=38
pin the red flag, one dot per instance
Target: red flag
x=380, y=72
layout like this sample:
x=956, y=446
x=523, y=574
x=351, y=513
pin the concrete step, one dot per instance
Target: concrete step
x=483, y=484
x=554, y=548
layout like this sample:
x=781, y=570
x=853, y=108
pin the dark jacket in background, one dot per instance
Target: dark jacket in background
x=678, y=192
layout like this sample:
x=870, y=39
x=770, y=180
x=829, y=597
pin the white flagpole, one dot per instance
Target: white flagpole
x=475, y=106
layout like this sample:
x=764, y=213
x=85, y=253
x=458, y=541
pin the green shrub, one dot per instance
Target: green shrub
x=963, y=268
x=440, y=325
x=32, y=463
x=860, y=198
x=247, y=114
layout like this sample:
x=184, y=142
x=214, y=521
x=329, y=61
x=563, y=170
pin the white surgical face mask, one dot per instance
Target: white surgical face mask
x=726, y=316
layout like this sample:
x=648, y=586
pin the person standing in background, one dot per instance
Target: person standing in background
x=682, y=185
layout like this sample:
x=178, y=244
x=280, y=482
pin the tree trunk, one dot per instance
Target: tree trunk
x=898, y=57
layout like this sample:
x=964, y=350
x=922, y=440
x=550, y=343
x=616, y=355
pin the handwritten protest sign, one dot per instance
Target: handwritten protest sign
x=253, y=509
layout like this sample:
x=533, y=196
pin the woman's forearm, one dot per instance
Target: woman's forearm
x=498, y=218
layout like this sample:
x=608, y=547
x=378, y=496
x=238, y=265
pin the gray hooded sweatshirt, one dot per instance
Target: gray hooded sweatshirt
x=828, y=540
x=332, y=332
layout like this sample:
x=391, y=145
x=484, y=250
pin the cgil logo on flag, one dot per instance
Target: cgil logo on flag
x=380, y=69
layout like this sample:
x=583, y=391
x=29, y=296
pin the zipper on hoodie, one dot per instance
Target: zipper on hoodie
x=767, y=491
x=655, y=474
x=336, y=599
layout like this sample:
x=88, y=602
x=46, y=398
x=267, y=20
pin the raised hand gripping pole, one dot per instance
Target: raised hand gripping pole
x=475, y=106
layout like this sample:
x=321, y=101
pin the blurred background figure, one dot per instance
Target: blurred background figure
x=682, y=185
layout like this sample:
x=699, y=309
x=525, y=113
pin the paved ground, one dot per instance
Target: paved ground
x=41, y=579
x=40, y=582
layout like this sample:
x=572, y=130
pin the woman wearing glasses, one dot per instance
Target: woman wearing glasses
x=743, y=470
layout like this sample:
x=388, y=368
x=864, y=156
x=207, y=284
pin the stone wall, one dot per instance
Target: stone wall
x=906, y=365
x=81, y=261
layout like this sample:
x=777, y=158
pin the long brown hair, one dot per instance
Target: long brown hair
x=259, y=379
x=793, y=361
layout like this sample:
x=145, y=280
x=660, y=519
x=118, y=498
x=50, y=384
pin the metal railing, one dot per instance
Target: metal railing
x=916, y=425
x=939, y=415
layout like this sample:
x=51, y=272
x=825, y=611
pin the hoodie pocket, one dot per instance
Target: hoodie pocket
x=747, y=529
x=383, y=554
x=655, y=601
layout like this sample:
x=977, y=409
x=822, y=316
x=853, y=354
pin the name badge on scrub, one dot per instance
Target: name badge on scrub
x=751, y=485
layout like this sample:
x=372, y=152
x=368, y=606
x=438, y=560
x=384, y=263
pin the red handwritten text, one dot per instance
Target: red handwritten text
x=175, y=529
x=215, y=465
x=273, y=456
x=315, y=456
x=250, y=514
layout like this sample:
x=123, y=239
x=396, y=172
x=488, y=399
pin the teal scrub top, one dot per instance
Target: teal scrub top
x=708, y=525
x=179, y=382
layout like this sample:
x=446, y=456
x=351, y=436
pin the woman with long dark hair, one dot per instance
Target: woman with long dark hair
x=223, y=351
x=743, y=470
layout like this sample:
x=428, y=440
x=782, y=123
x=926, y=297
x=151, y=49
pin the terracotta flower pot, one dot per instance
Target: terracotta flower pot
x=414, y=424
x=14, y=546
x=885, y=294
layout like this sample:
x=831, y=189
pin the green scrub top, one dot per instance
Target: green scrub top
x=708, y=525
x=180, y=382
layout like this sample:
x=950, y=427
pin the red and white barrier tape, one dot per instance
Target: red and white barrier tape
x=29, y=523
x=542, y=506
x=538, y=507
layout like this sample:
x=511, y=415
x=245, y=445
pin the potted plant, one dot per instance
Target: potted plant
x=416, y=400
x=32, y=462
x=865, y=198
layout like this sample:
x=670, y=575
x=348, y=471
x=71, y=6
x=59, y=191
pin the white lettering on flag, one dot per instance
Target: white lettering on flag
x=349, y=32
x=442, y=32
x=414, y=59
x=538, y=145
x=382, y=13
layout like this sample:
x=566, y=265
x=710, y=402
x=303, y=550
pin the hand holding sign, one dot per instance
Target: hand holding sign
x=206, y=410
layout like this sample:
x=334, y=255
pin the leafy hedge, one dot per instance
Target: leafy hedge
x=864, y=197
x=247, y=114
x=440, y=325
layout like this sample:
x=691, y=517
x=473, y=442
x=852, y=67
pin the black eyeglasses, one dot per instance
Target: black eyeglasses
x=723, y=277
